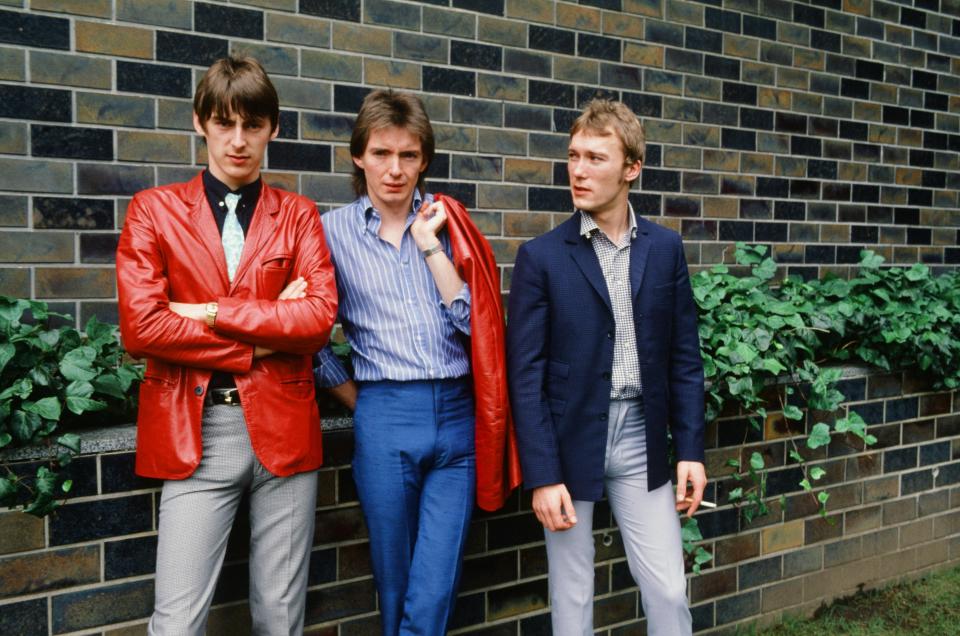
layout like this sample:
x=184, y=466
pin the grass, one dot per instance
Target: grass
x=926, y=607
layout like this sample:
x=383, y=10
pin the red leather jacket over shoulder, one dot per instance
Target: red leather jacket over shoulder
x=498, y=462
x=170, y=251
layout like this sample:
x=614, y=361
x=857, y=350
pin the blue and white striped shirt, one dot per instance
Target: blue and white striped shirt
x=391, y=310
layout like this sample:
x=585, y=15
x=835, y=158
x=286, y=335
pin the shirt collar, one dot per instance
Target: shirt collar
x=369, y=218
x=219, y=190
x=589, y=227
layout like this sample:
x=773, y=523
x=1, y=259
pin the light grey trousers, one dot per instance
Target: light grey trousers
x=196, y=515
x=650, y=530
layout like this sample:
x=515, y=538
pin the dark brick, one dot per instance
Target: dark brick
x=34, y=30
x=526, y=63
x=621, y=76
x=25, y=618
x=598, y=47
x=902, y=409
x=644, y=105
x=681, y=206
x=527, y=117
x=663, y=33
x=736, y=231
x=445, y=80
x=737, y=607
x=130, y=557
x=935, y=453
x=475, y=111
x=93, y=520
x=728, y=21
x=912, y=483
x=817, y=169
x=738, y=93
x=756, y=118
x=722, y=67
x=936, y=101
x=820, y=254
x=43, y=104
x=759, y=572
x=236, y=22
x=855, y=89
x=348, y=99
x=660, y=180
x=826, y=84
x=98, y=248
x=117, y=471
x=738, y=139
x=771, y=232
x=190, y=49
x=896, y=115
x=332, y=9
x=493, y=7
x=551, y=94
x=912, y=17
x=757, y=209
x=476, y=55
x=864, y=234
x=549, y=199
x=825, y=41
x=553, y=40
x=154, y=79
x=72, y=143
x=759, y=27
x=517, y=599
x=703, y=40
x=102, y=606
x=113, y=179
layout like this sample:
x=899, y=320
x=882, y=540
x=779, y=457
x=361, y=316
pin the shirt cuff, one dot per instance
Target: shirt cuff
x=328, y=371
x=458, y=312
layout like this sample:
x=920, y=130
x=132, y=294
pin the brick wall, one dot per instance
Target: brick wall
x=894, y=512
x=816, y=127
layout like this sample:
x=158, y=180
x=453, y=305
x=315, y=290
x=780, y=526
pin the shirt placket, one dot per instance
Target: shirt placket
x=412, y=298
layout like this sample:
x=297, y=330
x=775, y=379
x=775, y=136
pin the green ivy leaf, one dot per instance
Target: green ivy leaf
x=819, y=436
x=822, y=497
x=77, y=364
x=7, y=351
x=48, y=408
x=71, y=441
x=816, y=473
x=79, y=388
x=792, y=412
x=8, y=488
x=756, y=461
x=80, y=405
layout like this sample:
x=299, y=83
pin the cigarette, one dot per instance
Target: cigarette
x=704, y=503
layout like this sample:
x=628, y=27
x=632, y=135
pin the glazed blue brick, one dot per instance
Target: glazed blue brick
x=722, y=67
x=549, y=199
x=102, y=179
x=902, y=409
x=465, y=193
x=912, y=483
x=612, y=5
x=91, y=520
x=527, y=117
x=759, y=572
x=34, y=30
x=190, y=49
x=154, y=79
x=26, y=618
x=774, y=187
x=845, y=65
x=790, y=211
x=625, y=76
x=476, y=111
x=716, y=523
x=554, y=40
x=644, y=105
x=598, y=46
x=721, y=20
x=756, y=118
x=864, y=234
x=130, y=557
x=526, y=63
x=759, y=27
x=40, y=104
x=703, y=40
x=825, y=41
x=551, y=93
x=806, y=189
x=922, y=158
x=733, y=139
x=660, y=180
x=439, y=167
x=393, y=14
x=736, y=231
x=476, y=55
x=287, y=155
x=808, y=15
x=117, y=469
x=683, y=61
x=348, y=99
x=332, y=9
x=935, y=453
x=444, y=80
x=723, y=115
x=806, y=146
x=59, y=213
x=71, y=143
x=663, y=33
x=102, y=606
x=646, y=203
x=757, y=209
x=493, y=7
x=232, y=21
x=771, y=233
x=817, y=169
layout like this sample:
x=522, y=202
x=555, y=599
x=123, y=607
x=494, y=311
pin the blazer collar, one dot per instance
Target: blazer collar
x=264, y=223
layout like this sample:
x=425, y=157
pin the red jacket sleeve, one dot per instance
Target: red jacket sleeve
x=300, y=326
x=147, y=326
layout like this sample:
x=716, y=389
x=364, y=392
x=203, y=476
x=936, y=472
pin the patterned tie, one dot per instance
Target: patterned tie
x=232, y=235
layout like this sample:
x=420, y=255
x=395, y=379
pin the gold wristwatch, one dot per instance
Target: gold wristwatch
x=211, y=314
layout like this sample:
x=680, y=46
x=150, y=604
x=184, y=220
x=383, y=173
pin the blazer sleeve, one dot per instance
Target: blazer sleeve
x=686, y=367
x=527, y=348
x=148, y=327
x=300, y=326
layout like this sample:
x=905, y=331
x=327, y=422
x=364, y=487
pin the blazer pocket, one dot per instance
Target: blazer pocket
x=559, y=369
x=557, y=407
x=282, y=261
x=274, y=274
x=663, y=294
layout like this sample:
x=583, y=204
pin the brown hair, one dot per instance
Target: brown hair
x=383, y=109
x=238, y=85
x=601, y=115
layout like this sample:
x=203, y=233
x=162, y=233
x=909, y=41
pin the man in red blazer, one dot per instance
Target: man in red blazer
x=226, y=288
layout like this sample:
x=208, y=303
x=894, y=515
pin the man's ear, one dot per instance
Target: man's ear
x=633, y=171
x=276, y=131
x=358, y=162
x=198, y=126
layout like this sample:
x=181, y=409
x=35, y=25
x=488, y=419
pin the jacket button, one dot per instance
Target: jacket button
x=603, y=417
x=610, y=335
x=198, y=390
x=606, y=375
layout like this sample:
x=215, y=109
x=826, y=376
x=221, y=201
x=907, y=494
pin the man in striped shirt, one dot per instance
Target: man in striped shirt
x=406, y=314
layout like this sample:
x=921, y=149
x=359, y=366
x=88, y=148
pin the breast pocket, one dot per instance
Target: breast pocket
x=274, y=274
x=663, y=295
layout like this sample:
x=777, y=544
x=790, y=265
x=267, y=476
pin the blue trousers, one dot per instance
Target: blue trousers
x=414, y=466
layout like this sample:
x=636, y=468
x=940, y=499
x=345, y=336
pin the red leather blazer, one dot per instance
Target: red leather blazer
x=170, y=250
x=498, y=462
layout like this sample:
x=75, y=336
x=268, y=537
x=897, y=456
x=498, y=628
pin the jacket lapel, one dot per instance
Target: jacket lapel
x=262, y=227
x=586, y=259
x=638, y=256
x=205, y=227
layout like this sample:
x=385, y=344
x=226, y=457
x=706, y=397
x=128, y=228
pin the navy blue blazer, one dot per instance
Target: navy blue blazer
x=560, y=331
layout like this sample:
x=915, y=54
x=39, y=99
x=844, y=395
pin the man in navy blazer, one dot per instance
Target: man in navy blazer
x=604, y=368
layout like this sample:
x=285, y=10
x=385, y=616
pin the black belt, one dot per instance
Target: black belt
x=229, y=396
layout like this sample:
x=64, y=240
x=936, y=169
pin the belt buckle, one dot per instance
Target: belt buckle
x=231, y=396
